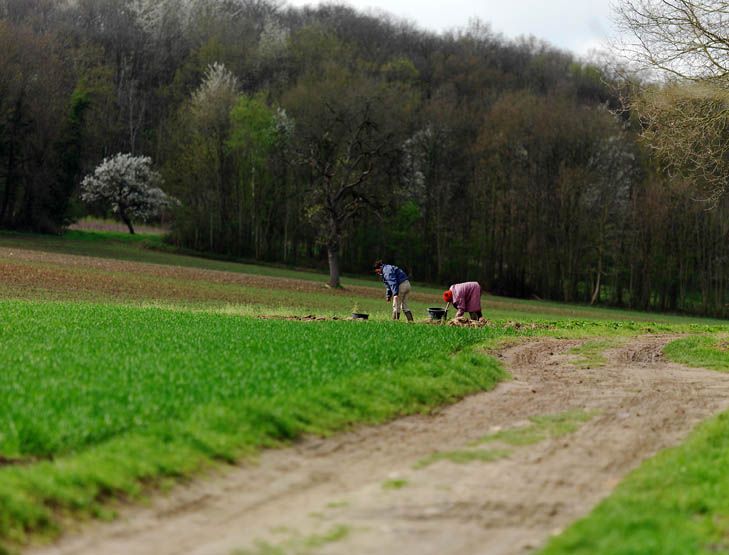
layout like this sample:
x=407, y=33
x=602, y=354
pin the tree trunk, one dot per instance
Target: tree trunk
x=333, y=254
x=239, y=191
x=10, y=185
x=11, y=176
x=598, y=283
x=286, y=233
x=211, y=229
x=127, y=221
x=254, y=216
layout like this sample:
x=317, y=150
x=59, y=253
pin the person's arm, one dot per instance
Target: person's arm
x=458, y=303
x=383, y=277
x=389, y=275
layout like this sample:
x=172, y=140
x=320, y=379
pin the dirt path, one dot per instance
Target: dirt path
x=327, y=496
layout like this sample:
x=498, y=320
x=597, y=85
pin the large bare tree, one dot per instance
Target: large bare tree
x=688, y=39
x=341, y=154
x=685, y=113
x=346, y=133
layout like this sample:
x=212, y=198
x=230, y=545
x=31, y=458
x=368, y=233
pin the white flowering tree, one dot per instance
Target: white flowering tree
x=127, y=185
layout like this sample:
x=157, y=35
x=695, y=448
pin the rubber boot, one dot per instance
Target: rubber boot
x=409, y=315
x=395, y=315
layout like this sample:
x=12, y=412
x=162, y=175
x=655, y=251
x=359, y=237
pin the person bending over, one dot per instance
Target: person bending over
x=397, y=288
x=465, y=297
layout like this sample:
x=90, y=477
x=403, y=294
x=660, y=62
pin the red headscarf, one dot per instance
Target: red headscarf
x=448, y=296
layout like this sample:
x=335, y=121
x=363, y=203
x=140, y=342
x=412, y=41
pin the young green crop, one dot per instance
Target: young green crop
x=75, y=375
x=95, y=400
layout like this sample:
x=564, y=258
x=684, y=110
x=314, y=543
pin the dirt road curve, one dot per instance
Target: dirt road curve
x=296, y=496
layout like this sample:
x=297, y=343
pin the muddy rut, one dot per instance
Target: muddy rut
x=362, y=492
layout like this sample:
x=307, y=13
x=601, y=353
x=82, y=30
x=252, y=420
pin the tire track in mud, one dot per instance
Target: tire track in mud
x=512, y=505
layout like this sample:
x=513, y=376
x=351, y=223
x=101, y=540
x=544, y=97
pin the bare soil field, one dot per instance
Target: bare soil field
x=58, y=271
x=29, y=273
x=372, y=490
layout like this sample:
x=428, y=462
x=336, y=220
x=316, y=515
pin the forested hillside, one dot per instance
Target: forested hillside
x=326, y=137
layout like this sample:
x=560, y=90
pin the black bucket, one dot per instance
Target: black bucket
x=436, y=313
x=359, y=316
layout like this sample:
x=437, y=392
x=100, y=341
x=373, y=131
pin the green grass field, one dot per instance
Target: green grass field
x=97, y=399
x=125, y=369
x=126, y=365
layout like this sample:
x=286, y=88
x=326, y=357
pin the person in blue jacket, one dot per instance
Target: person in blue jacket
x=397, y=286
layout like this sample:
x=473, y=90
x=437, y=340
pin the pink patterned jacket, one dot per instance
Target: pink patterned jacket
x=466, y=297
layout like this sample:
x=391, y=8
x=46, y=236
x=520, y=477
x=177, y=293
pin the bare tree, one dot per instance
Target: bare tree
x=688, y=39
x=341, y=158
x=687, y=126
x=685, y=115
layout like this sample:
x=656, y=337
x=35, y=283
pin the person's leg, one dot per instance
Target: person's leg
x=476, y=315
x=396, y=307
x=477, y=294
x=404, y=292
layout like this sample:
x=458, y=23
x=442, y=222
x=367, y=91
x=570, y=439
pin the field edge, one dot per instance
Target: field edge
x=39, y=500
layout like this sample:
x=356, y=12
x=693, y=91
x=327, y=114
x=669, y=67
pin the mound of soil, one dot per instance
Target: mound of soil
x=307, y=318
x=484, y=323
x=464, y=322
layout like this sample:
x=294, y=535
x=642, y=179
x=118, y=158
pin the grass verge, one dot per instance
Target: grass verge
x=700, y=351
x=675, y=503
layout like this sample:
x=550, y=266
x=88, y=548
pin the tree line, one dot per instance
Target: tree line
x=326, y=137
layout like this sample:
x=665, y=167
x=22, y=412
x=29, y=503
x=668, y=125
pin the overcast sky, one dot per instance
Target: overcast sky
x=576, y=25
